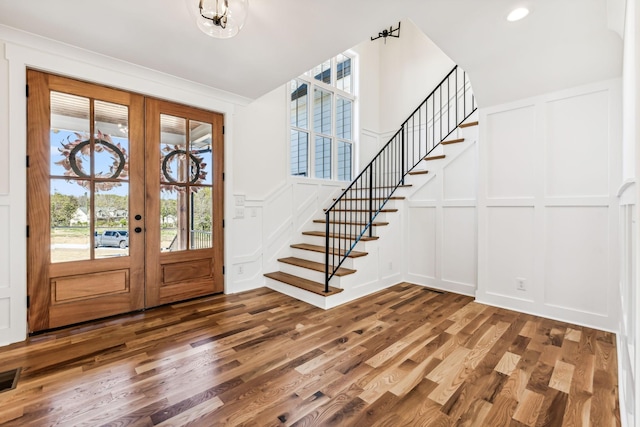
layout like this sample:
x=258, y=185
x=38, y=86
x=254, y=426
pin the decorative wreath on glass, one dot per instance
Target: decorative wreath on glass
x=197, y=172
x=75, y=149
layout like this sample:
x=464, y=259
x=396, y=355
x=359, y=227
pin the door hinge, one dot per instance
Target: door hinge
x=27, y=91
x=223, y=269
x=223, y=223
x=27, y=161
x=27, y=231
x=223, y=130
x=223, y=176
x=28, y=301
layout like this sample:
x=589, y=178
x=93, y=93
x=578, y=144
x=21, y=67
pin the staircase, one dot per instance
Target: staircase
x=326, y=260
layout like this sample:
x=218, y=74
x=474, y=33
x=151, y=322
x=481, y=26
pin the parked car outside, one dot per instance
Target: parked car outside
x=114, y=238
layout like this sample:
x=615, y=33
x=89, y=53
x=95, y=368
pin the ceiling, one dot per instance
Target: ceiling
x=561, y=43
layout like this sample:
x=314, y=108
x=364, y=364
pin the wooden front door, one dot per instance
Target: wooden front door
x=98, y=214
x=184, y=152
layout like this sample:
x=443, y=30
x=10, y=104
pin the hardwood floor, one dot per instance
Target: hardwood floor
x=406, y=356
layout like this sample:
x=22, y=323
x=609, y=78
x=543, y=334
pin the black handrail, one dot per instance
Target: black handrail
x=352, y=214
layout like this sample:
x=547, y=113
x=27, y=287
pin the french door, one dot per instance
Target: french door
x=124, y=202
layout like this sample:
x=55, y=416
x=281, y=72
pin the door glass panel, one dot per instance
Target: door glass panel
x=201, y=154
x=70, y=218
x=169, y=219
x=103, y=164
x=111, y=235
x=186, y=181
x=173, y=227
x=201, y=218
x=111, y=140
x=70, y=198
x=173, y=149
x=69, y=136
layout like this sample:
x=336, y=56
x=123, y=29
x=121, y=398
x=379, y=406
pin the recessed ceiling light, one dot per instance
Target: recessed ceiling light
x=517, y=14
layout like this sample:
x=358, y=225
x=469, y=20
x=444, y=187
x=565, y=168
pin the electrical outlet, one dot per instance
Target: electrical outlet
x=239, y=212
x=521, y=284
x=240, y=270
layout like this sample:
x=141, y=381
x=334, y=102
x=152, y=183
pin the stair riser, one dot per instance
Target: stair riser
x=320, y=257
x=363, y=216
x=364, y=203
x=334, y=242
x=341, y=228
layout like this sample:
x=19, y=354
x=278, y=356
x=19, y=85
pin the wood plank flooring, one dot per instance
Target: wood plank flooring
x=405, y=356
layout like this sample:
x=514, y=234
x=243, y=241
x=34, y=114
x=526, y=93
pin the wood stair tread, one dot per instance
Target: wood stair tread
x=418, y=172
x=316, y=266
x=299, y=282
x=452, y=141
x=324, y=221
x=340, y=236
x=466, y=125
x=442, y=156
x=332, y=251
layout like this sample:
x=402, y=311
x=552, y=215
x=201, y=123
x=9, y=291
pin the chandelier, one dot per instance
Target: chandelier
x=221, y=18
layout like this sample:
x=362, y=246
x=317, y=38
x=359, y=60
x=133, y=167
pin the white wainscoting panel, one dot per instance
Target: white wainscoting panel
x=510, y=170
x=577, y=259
x=577, y=146
x=4, y=124
x=5, y=313
x=422, y=242
x=460, y=177
x=459, y=255
x=430, y=191
x=550, y=168
x=511, y=243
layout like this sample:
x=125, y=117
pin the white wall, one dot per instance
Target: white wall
x=549, y=175
x=629, y=329
x=410, y=68
x=21, y=51
x=261, y=132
